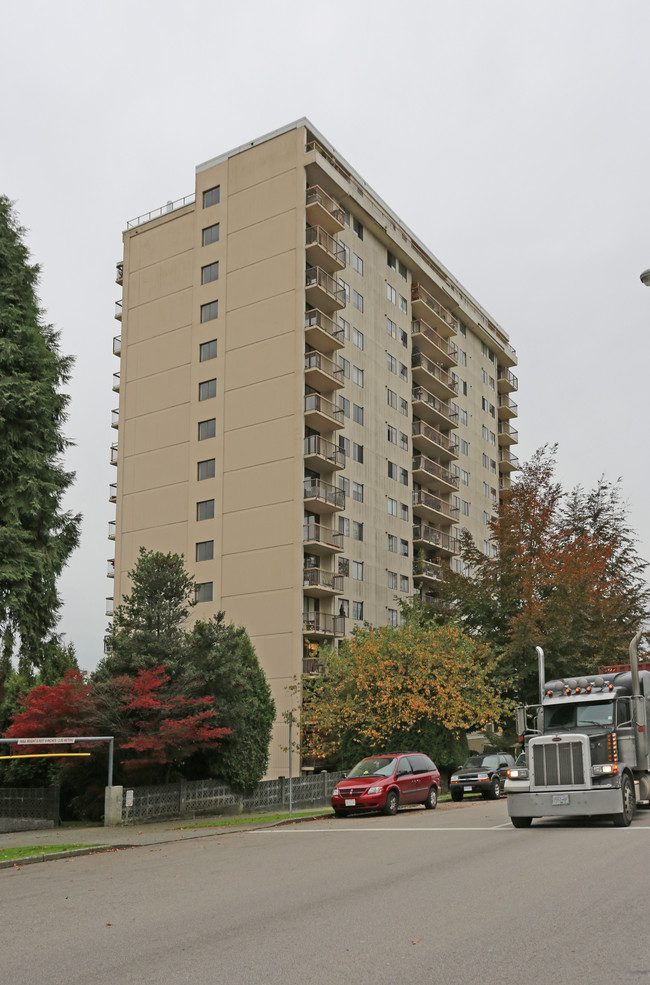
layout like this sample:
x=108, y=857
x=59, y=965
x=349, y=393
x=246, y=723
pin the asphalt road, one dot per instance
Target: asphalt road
x=451, y=896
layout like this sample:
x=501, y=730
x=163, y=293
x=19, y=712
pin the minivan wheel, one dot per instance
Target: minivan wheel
x=432, y=799
x=392, y=802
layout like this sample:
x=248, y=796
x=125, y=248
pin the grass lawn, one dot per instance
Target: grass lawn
x=28, y=851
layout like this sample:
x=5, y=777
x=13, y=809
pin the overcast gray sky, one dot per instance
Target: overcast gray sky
x=511, y=137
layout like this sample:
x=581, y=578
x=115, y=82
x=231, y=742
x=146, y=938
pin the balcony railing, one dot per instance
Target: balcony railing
x=330, y=213
x=315, y=533
x=324, y=367
x=316, y=404
x=110, y=567
x=423, y=464
x=180, y=203
x=507, y=434
x=444, y=317
x=435, y=538
x=112, y=492
x=115, y=417
x=116, y=382
x=506, y=380
x=323, y=624
x=317, y=446
x=114, y=453
x=508, y=462
x=507, y=407
x=109, y=606
x=421, y=395
x=119, y=272
x=427, y=502
x=321, y=332
x=427, y=569
x=316, y=236
x=420, y=362
x=326, y=288
x=117, y=345
x=325, y=492
x=112, y=524
x=447, y=443
x=312, y=666
x=438, y=347
x=118, y=310
x=320, y=579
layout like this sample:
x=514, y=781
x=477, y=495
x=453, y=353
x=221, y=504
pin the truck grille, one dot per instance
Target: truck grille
x=558, y=764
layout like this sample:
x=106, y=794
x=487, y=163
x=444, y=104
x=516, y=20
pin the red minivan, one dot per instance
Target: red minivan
x=383, y=783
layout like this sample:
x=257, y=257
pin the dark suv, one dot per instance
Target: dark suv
x=383, y=783
x=483, y=773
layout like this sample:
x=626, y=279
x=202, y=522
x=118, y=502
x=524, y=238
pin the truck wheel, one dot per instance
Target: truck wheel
x=521, y=822
x=624, y=819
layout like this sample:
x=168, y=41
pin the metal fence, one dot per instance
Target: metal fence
x=190, y=798
x=25, y=809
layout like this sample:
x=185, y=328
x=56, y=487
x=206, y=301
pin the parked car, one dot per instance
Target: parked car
x=483, y=773
x=385, y=782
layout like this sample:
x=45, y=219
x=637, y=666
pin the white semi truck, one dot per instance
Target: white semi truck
x=587, y=747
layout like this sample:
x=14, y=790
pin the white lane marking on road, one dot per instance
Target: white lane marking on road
x=339, y=830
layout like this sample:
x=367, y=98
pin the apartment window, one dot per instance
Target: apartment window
x=465, y=508
x=344, y=566
x=205, y=509
x=357, y=264
x=211, y=234
x=357, y=301
x=392, y=543
x=207, y=429
x=357, y=228
x=205, y=550
x=207, y=389
x=493, y=438
x=462, y=357
x=463, y=387
x=486, y=489
x=344, y=484
x=357, y=452
x=344, y=526
x=457, y=565
x=211, y=196
x=493, y=496
x=392, y=617
x=484, y=403
x=392, y=363
x=493, y=466
x=403, y=305
x=456, y=504
x=205, y=469
x=357, y=491
x=403, y=407
x=345, y=325
x=357, y=414
x=464, y=446
x=344, y=607
x=392, y=579
x=404, y=583
x=357, y=570
x=204, y=592
x=357, y=337
x=463, y=417
x=403, y=441
x=391, y=328
x=210, y=272
x=455, y=470
x=392, y=507
x=404, y=477
x=402, y=270
x=391, y=260
x=462, y=328
x=404, y=547
x=403, y=337
x=403, y=372
x=344, y=404
x=464, y=477
x=486, y=461
x=346, y=288
x=486, y=518
x=208, y=350
x=391, y=293
x=486, y=548
x=491, y=410
x=344, y=445
x=345, y=365
x=357, y=607
x=491, y=382
x=209, y=311
x=485, y=432
x=346, y=250
x=392, y=434
x=392, y=470
x=357, y=376
x=403, y=511
x=357, y=530
x=391, y=397
x=484, y=376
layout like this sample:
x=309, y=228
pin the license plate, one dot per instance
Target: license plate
x=560, y=799
x=350, y=802
x=467, y=789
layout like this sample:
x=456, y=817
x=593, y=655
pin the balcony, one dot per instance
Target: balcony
x=507, y=462
x=109, y=606
x=322, y=333
x=118, y=310
x=116, y=382
x=428, y=473
x=507, y=434
x=433, y=345
x=312, y=667
x=112, y=492
x=322, y=455
x=318, y=583
x=114, y=453
x=433, y=442
x=432, y=409
x=119, y=272
x=322, y=210
x=110, y=567
x=425, y=306
x=323, y=291
x=432, y=376
x=115, y=418
x=427, y=571
x=431, y=508
x=321, y=540
x=507, y=408
x=112, y=524
x=506, y=381
x=320, y=625
x=117, y=345
x=321, y=414
x=323, y=250
x=322, y=497
x=426, y=536
x=322, y=373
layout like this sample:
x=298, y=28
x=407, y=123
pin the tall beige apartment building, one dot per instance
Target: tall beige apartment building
x=311, y=407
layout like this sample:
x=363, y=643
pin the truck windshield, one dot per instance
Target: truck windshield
x=576, y=715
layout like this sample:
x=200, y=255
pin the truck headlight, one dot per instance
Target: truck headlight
x=604, y=768
x=518, y=773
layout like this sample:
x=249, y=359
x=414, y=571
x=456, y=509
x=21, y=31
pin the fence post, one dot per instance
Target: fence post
x=112, y=806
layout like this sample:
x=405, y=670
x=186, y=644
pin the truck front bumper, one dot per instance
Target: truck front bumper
x=568, y=803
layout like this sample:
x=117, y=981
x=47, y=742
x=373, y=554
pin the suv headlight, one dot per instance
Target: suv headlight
x=483, y=776
x=454, y=778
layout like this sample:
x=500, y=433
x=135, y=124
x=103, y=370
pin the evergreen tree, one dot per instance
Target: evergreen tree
x=36, y=536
